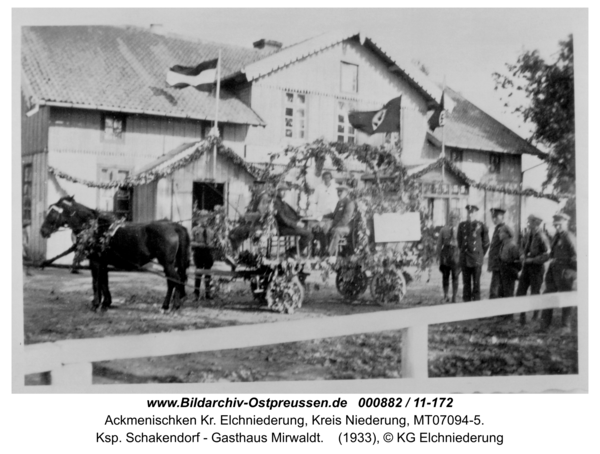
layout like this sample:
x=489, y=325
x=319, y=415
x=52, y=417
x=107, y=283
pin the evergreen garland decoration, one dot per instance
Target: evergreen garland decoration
x=149, y=176
x=485, y=186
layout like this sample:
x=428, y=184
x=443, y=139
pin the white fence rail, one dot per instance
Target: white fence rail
x=70, y=361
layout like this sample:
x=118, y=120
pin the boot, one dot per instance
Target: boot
x=454, y=291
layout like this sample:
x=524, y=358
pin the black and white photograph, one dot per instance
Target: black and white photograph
x=300, y=200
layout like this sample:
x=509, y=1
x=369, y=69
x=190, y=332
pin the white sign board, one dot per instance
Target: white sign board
x=395, y=227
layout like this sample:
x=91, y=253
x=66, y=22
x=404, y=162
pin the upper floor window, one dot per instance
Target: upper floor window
x=495, y=162
x=349, y=78
x=456, y=155
x=295, y=116
x=345, y=131
x=113, y=127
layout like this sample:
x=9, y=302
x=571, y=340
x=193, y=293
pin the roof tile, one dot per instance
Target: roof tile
x=124, y=68
x=469, y=127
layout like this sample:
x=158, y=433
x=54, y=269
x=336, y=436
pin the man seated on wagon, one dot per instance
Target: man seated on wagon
x=288, y=220
x=341, y=219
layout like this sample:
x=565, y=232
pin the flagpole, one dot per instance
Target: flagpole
x=214, y=172
x=443, y=155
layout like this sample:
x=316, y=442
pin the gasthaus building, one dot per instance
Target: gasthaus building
x=96, y=108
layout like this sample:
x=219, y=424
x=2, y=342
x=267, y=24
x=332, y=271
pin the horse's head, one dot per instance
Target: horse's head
x=55, y=219
x=67, y=212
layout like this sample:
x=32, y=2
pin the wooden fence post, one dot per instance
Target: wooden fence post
x=415, y=352
x=75, y=374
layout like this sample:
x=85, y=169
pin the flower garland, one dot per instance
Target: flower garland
x=484, y=186
x=149, y=176
x=92, y=240
x=218, y=221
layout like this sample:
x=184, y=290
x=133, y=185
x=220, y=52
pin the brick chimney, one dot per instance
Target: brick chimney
x=267, y=44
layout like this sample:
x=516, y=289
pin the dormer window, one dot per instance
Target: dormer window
x=456, y=156
x=495, y=162
x=349, y=78
x=113, y=127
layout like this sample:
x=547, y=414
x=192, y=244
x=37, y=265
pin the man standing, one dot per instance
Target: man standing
x=326, y=195
x=473, y=243
x=562, y=271
x=534, y=253
x=202, y=239
x=448, y=256
x=342, y=217
x=494, y=255
x=510, y=263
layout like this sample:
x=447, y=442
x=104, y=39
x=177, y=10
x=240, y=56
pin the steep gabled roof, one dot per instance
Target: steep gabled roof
x=296, y=52
x=124, y=68
x=469, y=127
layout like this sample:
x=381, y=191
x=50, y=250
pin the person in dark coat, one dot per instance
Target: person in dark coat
x=494, y=253
x=510, y=262
x=535, y=252
x=289, y=221
x=449, y=256
x=562, y=272
x=342, y=217
x=202, y=239
x=473, y=243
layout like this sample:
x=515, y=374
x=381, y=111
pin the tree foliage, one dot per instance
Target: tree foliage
x=548, y=105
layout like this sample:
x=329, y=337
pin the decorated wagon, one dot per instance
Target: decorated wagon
x=388, y=233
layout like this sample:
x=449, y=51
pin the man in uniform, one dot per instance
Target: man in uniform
x=342, y=217
x=473, y=243
x=494, y=255
x=448, y=256
x=535, y=251
x=202, y=239
x=562, y=271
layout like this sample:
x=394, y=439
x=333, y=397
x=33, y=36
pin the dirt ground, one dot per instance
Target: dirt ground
x=57, y=306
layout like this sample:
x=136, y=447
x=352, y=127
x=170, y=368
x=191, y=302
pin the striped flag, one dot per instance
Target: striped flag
x=202, y=77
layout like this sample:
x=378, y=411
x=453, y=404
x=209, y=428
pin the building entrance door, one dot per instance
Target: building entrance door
x=208, y=195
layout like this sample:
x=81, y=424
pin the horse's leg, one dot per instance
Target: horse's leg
x=95, y=268
x=107, y=299
x=172, y=285
x=165, y=306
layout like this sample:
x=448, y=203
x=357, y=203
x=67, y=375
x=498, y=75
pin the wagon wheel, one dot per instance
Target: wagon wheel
x=351, y=282
x=388, y=287
x=285, y=295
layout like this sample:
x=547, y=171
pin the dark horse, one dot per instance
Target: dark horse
x=130, y=247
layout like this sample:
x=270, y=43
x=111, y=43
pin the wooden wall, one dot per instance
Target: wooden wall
x=174, y=195
x=34, y=146
x=34, y=129
x=75, y=146
x=36, y=244
x=318, y=77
